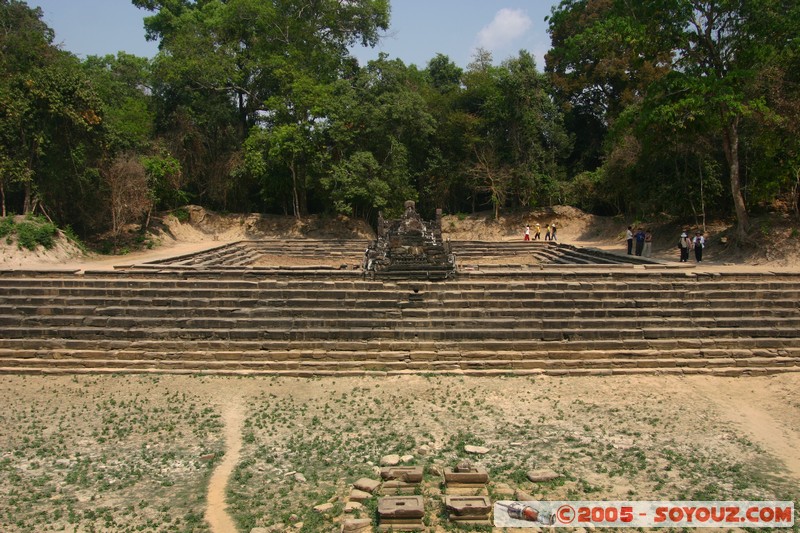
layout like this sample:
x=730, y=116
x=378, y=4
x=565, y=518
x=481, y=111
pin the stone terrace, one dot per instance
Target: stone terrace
x=527, y=312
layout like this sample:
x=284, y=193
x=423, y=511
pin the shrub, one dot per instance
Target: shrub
x=6, y=226
x=182, y=214
x=34, y=232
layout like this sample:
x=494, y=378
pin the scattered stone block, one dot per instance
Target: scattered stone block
x=367, y=485
x=390, y=460
x=351, y=507
x=300, y=478
x=539, y=476
x=409, y=474
x=424, y=450
x=359, y=495
x=480, y=450
x=353, y=525
x=323, y=507
x=406, y=459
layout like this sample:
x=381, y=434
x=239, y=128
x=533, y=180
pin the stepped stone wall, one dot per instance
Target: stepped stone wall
x=205, y=313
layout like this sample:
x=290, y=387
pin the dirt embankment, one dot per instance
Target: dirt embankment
x=775, y=240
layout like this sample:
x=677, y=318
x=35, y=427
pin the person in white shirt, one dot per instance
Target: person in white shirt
x=698, y=243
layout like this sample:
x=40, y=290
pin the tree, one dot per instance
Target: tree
x=378, y=117
x=129, y=195
x=253, y=60
x=49, y=115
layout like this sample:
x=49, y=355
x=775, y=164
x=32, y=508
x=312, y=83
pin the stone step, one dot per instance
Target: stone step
x=442, y=294
x=310, y=309
x=628, y=357
x=485, y=326
x=295, y=330
x=486, y=347
x=554, y=368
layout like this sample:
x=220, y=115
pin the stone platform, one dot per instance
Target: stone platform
x=212, y=313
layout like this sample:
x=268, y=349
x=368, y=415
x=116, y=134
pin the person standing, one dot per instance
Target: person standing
x=527, y=232
x=684, y=244
x=648, y=244
x=629, y=238
x=547, y=232
x=698, y=243
x=538, y=234
x=639, y=241
x=553, y=231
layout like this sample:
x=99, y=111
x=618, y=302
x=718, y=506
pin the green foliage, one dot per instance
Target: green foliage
x=182, y=214
x=34, y=232
x=257, y=106
x=6, y=226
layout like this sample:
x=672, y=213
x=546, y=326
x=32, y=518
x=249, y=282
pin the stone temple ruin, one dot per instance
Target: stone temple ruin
x=410, y=247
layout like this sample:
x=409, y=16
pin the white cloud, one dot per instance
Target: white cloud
x=508, y=25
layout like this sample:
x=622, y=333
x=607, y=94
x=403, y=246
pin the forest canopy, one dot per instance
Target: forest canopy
x=646, y=109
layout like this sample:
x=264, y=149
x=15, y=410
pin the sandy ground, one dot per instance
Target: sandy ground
x=127, y=453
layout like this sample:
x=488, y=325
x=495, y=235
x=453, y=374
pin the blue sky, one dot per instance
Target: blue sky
x=419, y=28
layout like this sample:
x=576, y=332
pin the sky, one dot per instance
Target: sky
x=419, y=29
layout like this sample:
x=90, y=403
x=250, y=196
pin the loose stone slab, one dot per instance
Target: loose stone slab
x=323, y=507
x=390, y=460
x=481, y=450
x=352, y=525
x=538, y=476
x=367, y=485
x=351, y=507
x=359, y=495
x=409, y=474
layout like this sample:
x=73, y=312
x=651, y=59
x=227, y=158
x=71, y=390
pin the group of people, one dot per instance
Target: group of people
x=686, y=243
x=640, y=242
x=550, y=232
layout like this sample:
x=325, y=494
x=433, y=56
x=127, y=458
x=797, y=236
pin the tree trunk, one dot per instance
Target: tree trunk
x=3, y=197
x=730, y=141
x=295, y=195
x=27, y=206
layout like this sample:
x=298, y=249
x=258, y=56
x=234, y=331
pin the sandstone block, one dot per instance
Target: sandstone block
x=351, y=507
x=477, y=475
x=359, y=495
x=390, y=460
x=323, y=507
x=473, y=506
x=409, y=474
x=352, y=525
x=480, y=450
x=400, y=507
x=367, y=485
x=538, y=476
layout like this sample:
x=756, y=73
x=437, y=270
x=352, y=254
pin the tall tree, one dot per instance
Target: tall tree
x=48, y=117
x=251, y=55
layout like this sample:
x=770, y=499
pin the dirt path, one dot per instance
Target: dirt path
x=216, y=512
x=759, y=413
